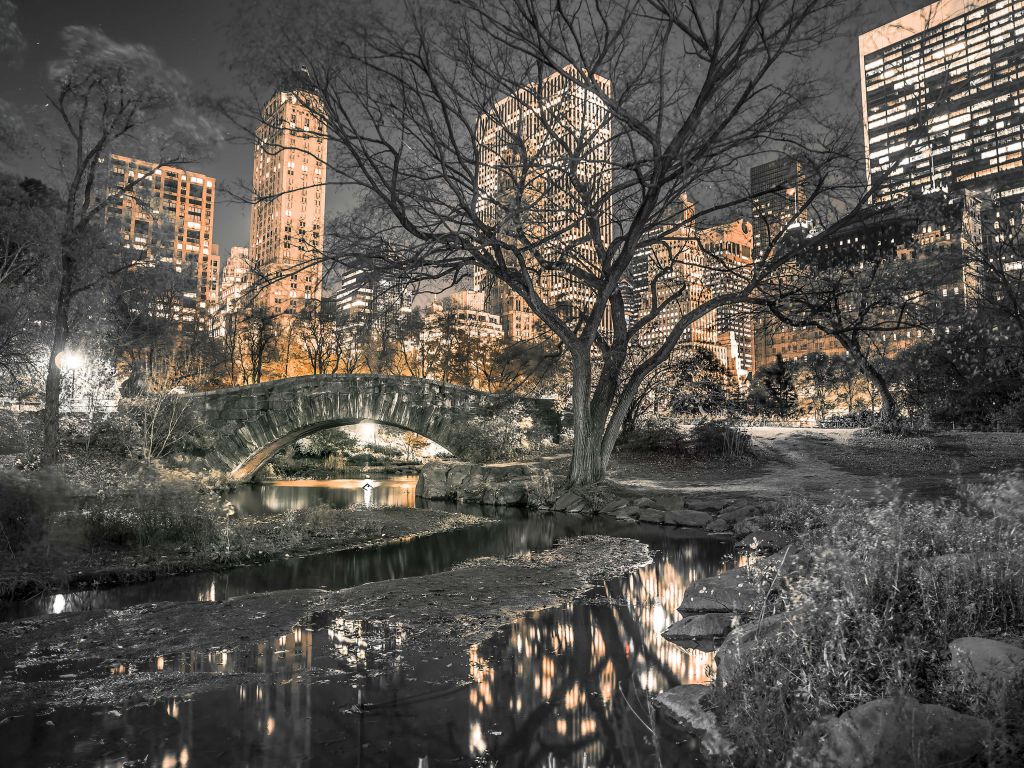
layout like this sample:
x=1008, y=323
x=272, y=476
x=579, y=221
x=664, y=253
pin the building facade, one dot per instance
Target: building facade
x=943, y=99
x=527, y=144
x=165, y=214
x=730, y=250
x=287, y=226
x=465, y=312
x=777, y=201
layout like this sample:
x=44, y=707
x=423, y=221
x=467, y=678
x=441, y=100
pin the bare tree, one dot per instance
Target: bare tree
x=545, y=146
x=105, y=96
x=874, y=285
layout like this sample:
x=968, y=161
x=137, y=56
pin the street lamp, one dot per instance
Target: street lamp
x=69, y=360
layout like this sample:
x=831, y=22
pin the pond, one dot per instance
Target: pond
x=563, y=686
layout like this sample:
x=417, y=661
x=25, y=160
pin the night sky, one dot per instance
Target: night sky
x=190, y=35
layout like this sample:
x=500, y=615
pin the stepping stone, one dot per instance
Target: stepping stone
x=703, y=626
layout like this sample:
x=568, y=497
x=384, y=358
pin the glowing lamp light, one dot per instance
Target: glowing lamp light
x=69, y=360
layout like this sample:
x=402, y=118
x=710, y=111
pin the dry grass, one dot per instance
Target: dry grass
x=892, y=584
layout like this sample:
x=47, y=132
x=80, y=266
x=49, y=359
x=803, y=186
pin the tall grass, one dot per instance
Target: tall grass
x=890, y=586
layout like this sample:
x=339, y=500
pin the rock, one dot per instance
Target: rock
x=667, y=501
x=506, y=484
x=631, y=512
x=744, y=638
x=683, y=704
x=718, y=525
x=691, y=518
x=735, y=514
x=990, y=662
x=749, y=525
x=613, y=506
x=892, y=733
x=704, y=626
x=735, y=591
x=569, y=501
x=764, y=541
x=432, y=483
x=705, y=506
x=651, y=515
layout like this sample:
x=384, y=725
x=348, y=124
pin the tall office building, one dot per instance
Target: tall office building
x=943, y=99
x=166, y=214
x=777, y=200
x=286, y=229
x=527, y=142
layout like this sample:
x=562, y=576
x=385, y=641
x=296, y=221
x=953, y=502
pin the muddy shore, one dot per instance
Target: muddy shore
x=63, y=660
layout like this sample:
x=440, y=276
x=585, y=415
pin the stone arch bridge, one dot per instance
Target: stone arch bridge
x=250, y=424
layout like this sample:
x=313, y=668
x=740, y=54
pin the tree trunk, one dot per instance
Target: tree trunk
x=889, y=408
x=54, y=377
x=587, y=466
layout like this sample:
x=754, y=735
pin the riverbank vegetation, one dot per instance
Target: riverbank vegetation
x=888, y=588
x=86, y=525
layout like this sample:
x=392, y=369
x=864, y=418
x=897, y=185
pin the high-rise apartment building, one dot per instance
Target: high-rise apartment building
x=287, y=225
x=729, y=248
x=166, y=214
x=234, y=295
x=943, y=99
x=534, y=145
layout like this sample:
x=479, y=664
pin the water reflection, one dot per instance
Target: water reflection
x=558, y=687
x=283, y=495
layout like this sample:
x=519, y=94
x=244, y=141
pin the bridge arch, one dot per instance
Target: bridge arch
x=250, y=424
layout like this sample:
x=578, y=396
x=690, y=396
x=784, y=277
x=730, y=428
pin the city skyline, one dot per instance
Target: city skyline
x=205, y=60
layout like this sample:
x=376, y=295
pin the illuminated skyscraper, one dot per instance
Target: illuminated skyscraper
x=943, y=99
x=166, y=214
x=777, y=200
x=729, y=247
x=528, y=142
x=286, y=230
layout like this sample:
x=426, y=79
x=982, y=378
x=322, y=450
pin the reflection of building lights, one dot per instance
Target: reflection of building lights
x=59, y=604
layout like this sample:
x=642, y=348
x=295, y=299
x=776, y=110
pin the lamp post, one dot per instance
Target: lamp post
x=70, y=361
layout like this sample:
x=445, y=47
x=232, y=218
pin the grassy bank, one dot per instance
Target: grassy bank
x=890, y=585
x=93, y=525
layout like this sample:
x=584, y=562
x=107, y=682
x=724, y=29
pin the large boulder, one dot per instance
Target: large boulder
x=684, y=705
x=433, y=481
x=570, y=501
x=704, y=626
x=735, y=591
x=504, y=484
x=988, y=662
x=893, y=733
x=739, y=643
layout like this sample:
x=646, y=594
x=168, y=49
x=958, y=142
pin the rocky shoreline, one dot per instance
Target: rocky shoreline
x=736, y=610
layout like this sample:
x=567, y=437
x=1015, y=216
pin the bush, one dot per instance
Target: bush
x=719, y=439
x=161, y=514
x=18, y=431
x=506, y=436
x=657, y=436
x=27, y=505
x=891, y=585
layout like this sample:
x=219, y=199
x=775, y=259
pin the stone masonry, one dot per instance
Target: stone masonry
x=252, y=423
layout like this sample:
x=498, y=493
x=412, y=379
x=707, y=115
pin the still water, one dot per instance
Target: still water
x=563, y=686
